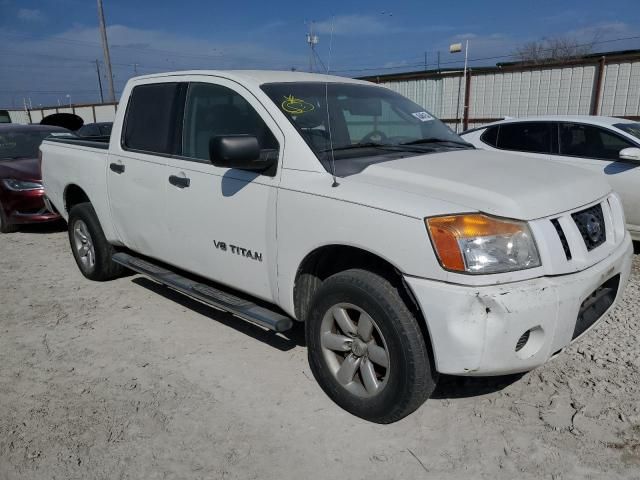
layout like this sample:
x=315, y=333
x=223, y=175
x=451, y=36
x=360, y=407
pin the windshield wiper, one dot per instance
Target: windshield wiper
x=357, y=145
x=423, y=141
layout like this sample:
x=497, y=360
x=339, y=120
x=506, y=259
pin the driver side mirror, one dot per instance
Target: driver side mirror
x=631, y=154
x=238, y=151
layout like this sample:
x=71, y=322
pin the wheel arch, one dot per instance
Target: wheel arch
x=73, y=195
x=327, y=260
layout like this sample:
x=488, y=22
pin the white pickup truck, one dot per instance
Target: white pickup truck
x=281, y=197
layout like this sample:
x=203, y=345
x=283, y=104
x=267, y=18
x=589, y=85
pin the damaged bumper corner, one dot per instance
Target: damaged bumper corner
x=514, y=327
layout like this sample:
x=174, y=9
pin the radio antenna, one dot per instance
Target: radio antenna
x=326, y=101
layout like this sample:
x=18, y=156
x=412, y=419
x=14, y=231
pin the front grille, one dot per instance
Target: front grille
x=590, y=222
x=563, y=238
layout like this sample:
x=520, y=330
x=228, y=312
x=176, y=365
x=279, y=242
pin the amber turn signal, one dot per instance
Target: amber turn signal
x=446, y=231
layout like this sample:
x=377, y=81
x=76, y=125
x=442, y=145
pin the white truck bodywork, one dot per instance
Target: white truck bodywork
x=473, y=320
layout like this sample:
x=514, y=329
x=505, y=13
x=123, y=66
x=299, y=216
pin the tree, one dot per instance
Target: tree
x=555, y=49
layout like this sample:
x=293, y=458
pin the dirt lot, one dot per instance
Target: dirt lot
x=130, y=380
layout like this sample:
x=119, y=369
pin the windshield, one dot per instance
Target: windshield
x=630, y=128
x=369, y=124
x=21, y=143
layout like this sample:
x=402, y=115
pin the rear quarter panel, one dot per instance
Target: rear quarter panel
x=64, y=165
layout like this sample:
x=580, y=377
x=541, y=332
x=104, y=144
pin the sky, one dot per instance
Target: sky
x=48, y=48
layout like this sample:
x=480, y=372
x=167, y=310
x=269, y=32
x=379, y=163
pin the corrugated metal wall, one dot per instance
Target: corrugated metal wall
x=566, y=91
x=621, y=89
x=19, y=116
x=557, y=90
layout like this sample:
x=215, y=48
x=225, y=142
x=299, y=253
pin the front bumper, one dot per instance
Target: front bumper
x=475, y=330
x=27, y=207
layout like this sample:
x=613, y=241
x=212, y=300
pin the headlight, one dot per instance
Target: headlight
x=476, y=243
x=20, y=185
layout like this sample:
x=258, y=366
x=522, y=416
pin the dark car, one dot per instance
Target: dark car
x=100, y=129
x=21, y=192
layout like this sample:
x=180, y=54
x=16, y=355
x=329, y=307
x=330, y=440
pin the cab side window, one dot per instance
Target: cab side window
x=587, y=141
x=214, y=110
x=534, y=137
x=150, y=118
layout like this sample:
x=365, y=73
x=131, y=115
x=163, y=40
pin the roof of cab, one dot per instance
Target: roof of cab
x=259, y=77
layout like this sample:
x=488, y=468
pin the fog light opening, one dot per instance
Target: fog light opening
x=522, y=341
x=530, y=342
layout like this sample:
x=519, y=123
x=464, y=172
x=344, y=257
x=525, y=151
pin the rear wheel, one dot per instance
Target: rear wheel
x=366, y=348
x=90, y=248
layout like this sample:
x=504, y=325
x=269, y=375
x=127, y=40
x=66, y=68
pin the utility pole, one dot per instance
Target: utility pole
x=312, y=40
x=99, y=81
x=105, y=47
x=425, y=61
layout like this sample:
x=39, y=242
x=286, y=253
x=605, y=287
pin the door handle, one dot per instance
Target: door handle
x=117, y=167
x=180, y=182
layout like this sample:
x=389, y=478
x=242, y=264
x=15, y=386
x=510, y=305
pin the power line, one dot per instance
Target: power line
x=495, y=57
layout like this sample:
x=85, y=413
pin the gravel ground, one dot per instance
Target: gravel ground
x=127, y=379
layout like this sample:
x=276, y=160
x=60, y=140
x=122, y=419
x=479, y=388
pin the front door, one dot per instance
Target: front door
x=222, y=222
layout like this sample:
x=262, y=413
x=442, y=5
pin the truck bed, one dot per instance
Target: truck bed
x=79, y=164
x=101, y=142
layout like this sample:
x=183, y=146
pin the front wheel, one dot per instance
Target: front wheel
x=90, y=248
x=366, y=348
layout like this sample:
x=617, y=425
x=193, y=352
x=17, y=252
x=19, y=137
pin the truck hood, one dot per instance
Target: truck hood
x=501, y=184
x=21, y=169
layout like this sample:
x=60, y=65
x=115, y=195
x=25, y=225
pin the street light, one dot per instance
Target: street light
x=69, y=100
x=457, y=48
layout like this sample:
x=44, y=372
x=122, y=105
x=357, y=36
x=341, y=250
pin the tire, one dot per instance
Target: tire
x=400, y=376
x=90, y=248
x=5, y=226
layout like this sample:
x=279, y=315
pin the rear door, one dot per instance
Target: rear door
x=137, y=170
x=222, y=222
x=598, y=149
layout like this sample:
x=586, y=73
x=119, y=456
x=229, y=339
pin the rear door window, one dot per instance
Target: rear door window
x=579, y=140
x=534, y=137
x=151, y=118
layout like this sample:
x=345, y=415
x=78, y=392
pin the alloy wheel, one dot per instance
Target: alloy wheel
x=355, y=350
x=84, y=245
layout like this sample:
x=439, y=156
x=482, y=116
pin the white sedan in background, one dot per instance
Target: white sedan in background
x=607, y=145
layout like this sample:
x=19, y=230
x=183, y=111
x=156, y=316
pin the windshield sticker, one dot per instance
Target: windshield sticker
x=296, y=106
x=423, y=116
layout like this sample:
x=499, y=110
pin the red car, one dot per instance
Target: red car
x=21, y=192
